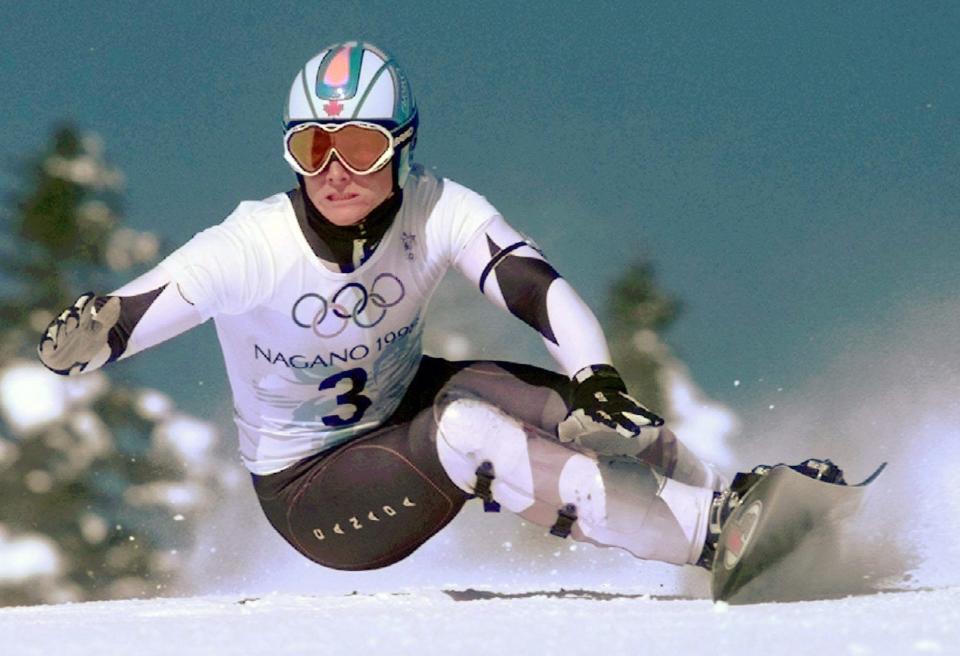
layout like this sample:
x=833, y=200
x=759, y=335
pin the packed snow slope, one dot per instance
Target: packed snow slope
x=426, y=622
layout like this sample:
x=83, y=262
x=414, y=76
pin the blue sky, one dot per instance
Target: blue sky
x=790, y=168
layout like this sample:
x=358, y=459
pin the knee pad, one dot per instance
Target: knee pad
x=470, y=432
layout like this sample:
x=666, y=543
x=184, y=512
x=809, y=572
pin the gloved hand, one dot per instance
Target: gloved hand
x=79, y=335
x=604, y=417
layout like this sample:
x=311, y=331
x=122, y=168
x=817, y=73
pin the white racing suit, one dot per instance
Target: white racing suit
x=360, y=447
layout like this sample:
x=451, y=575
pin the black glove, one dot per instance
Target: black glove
x=599, y=407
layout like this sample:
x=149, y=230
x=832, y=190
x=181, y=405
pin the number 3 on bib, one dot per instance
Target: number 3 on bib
x=352, y=396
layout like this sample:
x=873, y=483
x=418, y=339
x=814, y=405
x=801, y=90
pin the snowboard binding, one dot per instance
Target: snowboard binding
x=821, y=470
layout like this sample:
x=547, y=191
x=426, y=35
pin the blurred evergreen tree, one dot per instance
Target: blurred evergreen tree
x=638, y=312
x=96, y=499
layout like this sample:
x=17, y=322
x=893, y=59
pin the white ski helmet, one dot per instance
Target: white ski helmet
x=355, y=81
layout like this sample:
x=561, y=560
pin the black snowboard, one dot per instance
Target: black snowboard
x=779, y=543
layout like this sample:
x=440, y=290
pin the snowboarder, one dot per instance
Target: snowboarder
x=360, y=446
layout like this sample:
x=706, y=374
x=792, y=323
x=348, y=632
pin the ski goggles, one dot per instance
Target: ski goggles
x=361, y=147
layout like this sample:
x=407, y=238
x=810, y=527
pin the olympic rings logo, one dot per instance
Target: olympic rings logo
x=330, y=318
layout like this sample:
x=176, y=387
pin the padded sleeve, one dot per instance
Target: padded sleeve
x=512, y=272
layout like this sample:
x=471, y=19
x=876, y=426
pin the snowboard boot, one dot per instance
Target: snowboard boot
x=726, y=501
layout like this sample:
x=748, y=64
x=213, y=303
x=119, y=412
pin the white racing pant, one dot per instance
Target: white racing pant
x=626, y=503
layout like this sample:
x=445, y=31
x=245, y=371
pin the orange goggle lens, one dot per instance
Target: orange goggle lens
x=360, y=147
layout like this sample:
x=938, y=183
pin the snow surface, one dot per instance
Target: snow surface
x=425, y=622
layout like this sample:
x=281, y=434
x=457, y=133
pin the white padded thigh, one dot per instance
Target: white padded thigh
x=471, y=431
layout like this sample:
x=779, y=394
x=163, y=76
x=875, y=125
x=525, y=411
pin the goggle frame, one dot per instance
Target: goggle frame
x=405, y=133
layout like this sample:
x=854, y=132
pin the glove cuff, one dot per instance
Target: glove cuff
x=602, y=371
x=593, y=378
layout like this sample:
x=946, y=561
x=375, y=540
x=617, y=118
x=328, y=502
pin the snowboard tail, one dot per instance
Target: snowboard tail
x=774, y=544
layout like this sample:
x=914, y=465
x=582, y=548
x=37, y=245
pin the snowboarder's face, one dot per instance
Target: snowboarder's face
x=346, y=198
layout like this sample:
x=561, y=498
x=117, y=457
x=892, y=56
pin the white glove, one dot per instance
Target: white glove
x=77, y=338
